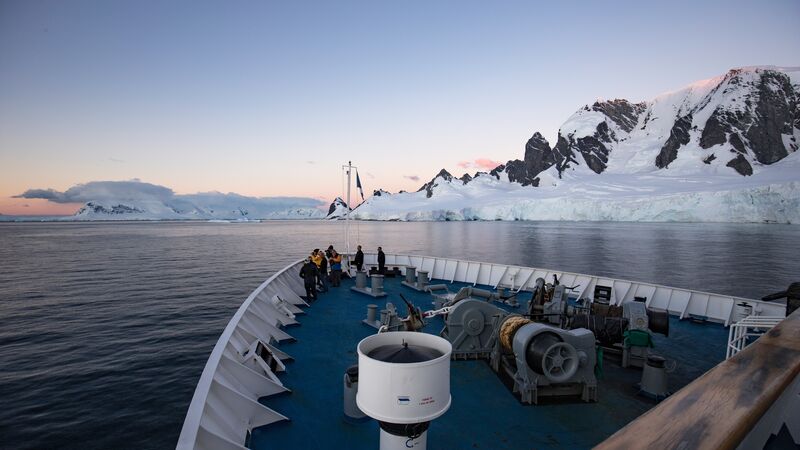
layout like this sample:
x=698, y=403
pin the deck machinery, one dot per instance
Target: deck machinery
x=549, y=352
x=542, y=360
x=552, y=350
x=626, y=329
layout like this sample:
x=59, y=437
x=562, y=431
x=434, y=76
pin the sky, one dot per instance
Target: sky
x=271, y=98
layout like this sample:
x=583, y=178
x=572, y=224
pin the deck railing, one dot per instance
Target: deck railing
x=750, y=328
x=739, y=403
x=683, y=303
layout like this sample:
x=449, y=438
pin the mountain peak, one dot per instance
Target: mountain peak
x=337, y=209
x=428, y=187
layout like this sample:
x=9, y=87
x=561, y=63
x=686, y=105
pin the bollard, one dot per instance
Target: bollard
x=371, y=313
x=411, y=276
x=377, y=284
x=361, y=279
x=422, y=279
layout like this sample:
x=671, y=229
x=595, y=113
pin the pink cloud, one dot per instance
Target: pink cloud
x=479, y=163
x=486, y=163
x=411, y=177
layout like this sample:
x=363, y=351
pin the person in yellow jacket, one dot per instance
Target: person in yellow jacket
x=318, y=258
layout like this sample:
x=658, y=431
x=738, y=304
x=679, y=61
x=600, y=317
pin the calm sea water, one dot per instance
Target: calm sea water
x=105, y=327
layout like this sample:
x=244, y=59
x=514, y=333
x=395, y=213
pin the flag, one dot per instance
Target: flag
x=358, y=185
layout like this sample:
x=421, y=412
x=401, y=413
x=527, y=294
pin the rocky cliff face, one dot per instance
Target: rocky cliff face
x=622, y=112
x=538, y=158
x=678, y=136
x=759, y=120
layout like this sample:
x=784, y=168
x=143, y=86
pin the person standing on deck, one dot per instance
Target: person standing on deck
x=322, y=266
x=316, y=257
x=381, y=261
x=336, y=268
x=309, y=274
x=359, y=259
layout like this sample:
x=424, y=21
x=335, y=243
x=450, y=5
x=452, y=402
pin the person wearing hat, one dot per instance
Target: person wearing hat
x=309, y=273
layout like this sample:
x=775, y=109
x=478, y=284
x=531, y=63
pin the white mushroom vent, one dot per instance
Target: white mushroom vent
x=404, y=377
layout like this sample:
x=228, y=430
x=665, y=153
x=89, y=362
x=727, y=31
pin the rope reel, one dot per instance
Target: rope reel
x=508, y=329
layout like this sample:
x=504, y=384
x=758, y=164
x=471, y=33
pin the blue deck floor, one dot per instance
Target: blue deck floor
x=484, y=413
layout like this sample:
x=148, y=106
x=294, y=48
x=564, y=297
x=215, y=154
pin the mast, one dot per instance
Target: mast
x=347, y=213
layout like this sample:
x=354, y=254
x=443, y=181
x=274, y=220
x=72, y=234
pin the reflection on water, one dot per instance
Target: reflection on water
x=105, y=328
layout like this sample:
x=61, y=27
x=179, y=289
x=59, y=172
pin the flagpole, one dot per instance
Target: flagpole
x=347, y=213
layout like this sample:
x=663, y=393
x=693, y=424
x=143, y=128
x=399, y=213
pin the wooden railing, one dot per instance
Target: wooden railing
x=721, y=408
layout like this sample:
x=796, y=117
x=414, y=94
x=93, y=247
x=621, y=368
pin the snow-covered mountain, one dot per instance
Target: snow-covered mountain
x=722, y=149
x=135, y=200
x=337, y=209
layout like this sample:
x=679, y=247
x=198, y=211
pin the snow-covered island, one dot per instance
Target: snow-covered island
x=136, y=200
x=718, y=150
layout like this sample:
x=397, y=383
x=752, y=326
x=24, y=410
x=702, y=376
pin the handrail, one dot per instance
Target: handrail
x=735, y=297
x=741, y=332
x=723, y=315
x=720, y=408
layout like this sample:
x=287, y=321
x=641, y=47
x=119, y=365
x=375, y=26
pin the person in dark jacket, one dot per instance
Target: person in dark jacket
x=381, y=261
x=336, y=269
x=323, y=274
x=309, y=274
x=359, y=259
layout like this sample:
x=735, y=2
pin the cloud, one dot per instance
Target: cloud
x=102, y=190
x=479, y=163
x=311, y=162
x=46, y=194
x=486, y=163
x=411, y=177
x=116, y=160
x=140, y=193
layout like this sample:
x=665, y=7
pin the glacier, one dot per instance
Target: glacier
x=770, y=198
